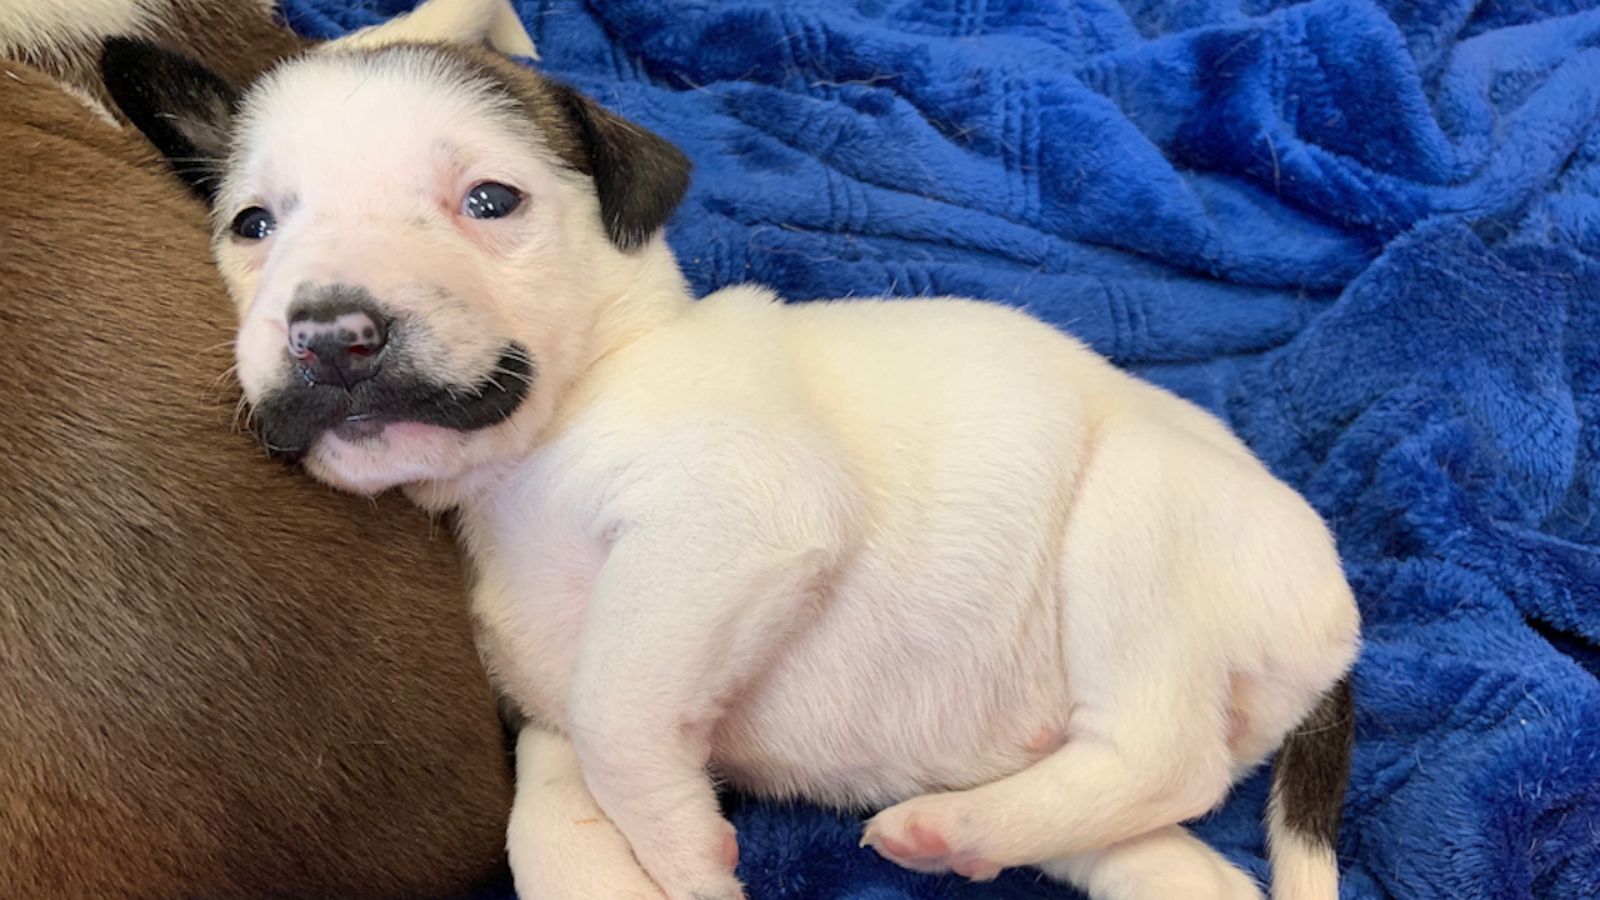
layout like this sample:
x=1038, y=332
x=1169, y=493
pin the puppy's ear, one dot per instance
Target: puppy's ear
x=492, y=23
x=639, y=176
x=183, y=107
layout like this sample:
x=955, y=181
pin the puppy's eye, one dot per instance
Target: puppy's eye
x=253, y=223
x=490, y=200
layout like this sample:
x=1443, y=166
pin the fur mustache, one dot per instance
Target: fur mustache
x=288, y=419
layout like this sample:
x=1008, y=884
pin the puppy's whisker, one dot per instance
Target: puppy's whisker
x=520, y=376
x=241, y=410
x=219, y=385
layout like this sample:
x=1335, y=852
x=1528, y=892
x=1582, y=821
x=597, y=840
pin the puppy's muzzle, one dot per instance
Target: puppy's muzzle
x=337, y=336
x=352, y=368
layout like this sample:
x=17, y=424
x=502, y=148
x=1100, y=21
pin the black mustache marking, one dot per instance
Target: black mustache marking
x=289, y=418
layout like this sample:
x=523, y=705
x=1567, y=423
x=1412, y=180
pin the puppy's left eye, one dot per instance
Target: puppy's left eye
x=253, y=224
x=490, y=200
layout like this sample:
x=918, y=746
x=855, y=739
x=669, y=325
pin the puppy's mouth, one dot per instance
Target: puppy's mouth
x=289, y=419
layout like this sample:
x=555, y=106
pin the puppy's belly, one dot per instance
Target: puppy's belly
x=916, y=674
x=859, y=716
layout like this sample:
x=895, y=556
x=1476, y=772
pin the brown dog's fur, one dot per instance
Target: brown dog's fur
x=217, y=678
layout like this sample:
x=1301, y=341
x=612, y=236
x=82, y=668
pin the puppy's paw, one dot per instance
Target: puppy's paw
x=1166, y=863
x=719, y=886
x=1234, y=884
x=689, y=868
x=1190, y=878
x=574, y=858
x=931, y=833
x=1200, y=872
x=722, y=889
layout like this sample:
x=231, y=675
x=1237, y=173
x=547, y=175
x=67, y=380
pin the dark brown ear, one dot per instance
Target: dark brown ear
x=639, y=176
x=183, y=107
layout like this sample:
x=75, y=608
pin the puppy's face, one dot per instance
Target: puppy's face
x=420, y=240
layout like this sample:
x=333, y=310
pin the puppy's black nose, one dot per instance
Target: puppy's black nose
x=337, y=333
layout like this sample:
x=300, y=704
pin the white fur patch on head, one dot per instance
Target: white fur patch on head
x=372, y=124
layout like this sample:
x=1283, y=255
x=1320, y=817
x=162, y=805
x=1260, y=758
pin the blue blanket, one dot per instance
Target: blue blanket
x=1365, y=233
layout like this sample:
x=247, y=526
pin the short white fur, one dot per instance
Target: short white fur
x=929, y=554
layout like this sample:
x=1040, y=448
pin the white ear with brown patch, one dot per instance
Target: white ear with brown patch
x=494, y=23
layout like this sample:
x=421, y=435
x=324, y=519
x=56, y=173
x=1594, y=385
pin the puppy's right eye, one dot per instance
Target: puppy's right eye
x=490, y=200
x=253, y=223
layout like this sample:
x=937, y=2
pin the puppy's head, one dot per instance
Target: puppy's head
x=421, y=239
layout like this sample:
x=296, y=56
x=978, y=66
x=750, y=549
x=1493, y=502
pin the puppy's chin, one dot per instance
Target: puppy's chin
x=372, y=459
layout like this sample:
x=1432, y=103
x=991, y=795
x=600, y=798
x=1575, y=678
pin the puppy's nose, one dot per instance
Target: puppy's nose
x=336, y=333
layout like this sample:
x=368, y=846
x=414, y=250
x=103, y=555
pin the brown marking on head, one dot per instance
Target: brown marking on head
x=636, y=193
x=583, y=134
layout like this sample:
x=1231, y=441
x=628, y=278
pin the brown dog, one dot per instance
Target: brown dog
x=217, y=678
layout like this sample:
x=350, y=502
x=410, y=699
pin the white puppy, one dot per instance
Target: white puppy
x=931, y=555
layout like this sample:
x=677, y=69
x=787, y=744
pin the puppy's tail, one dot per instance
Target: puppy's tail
x=1308, y=785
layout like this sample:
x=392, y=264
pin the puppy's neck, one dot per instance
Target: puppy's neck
x=643, y=292
x=636, y=293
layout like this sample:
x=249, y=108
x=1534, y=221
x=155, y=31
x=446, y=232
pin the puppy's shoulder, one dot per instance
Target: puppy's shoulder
x=719, y=389
x=726, y=354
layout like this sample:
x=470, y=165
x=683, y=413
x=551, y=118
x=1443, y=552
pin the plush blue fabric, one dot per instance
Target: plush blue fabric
x=1366, y=233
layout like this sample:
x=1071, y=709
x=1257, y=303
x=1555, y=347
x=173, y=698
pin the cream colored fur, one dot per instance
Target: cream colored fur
x=42, y=30
x=47, y=30
x=925, y=554
x=30, y=28
x=494, y=22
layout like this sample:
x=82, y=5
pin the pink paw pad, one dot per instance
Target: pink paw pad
x=922, y=848
x=922, y=843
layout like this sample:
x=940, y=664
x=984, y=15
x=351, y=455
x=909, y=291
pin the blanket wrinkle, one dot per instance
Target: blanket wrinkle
x=1365, y=232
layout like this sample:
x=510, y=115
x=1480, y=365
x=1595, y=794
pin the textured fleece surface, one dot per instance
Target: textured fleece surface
x=1365, y=233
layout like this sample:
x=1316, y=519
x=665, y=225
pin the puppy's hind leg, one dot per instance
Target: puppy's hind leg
x=1149, y=756
x=1145, y=633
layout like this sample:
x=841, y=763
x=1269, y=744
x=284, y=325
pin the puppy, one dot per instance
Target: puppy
x=931, y=555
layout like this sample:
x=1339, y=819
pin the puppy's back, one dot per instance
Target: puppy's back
x=216, y=677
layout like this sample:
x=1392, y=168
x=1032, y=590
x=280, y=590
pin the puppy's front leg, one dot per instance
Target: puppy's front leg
x=680, y=620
